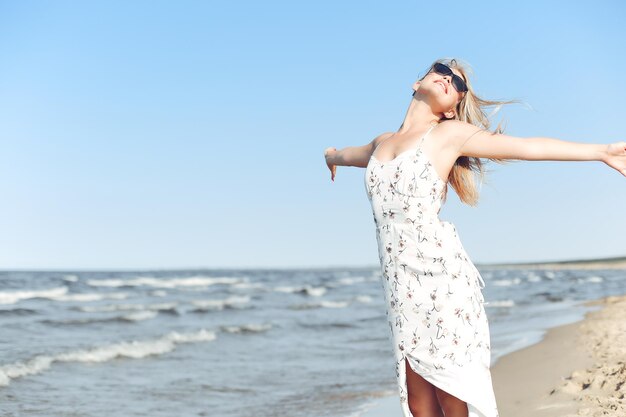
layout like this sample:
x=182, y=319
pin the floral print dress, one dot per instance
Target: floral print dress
x=433, y=291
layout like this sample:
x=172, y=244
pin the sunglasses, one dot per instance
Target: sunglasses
x=457, y=82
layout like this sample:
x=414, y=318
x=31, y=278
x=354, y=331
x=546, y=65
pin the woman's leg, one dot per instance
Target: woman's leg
x=422, y=397
x=451, y=405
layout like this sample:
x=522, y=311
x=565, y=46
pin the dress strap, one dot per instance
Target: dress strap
x=426, y=134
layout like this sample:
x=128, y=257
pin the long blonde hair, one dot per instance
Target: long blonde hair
x=470, y=109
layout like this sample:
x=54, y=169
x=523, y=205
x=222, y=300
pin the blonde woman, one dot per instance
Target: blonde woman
x=433, y=291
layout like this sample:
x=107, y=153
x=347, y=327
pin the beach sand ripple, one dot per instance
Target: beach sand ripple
x=601, y=389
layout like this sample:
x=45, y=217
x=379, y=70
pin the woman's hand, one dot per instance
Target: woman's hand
x=328, y=152
x=616, y=156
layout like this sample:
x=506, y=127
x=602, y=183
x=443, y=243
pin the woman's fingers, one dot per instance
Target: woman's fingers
x=617, y=157
x=332, y=167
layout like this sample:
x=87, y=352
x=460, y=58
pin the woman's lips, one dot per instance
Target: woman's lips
x=445, y=88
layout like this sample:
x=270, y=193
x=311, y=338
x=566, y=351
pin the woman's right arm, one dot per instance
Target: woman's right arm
x=355, y=156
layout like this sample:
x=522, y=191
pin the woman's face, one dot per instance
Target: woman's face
x=443, y=96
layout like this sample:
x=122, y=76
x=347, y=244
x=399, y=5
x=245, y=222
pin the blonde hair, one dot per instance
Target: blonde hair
x=470, y=109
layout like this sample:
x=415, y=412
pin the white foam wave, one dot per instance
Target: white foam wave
x=247, y=328
x=346, y=281
x=56, y=294
x=532, y=277
x=132, y=317
x=163, y=282
x=90, y=296
x=132, y=349
x=506, y=282
x=351, y=280
x=363, y=298
x=231, y=302
x=322, y=304
x=12, y=297
x=306, y=289
x=246, y=285
x=140, y=316
x=127, y=307
x=501, y=303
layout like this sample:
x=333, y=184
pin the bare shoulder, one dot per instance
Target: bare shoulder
x=380, y=138
x=471, y=140
x=456, y=130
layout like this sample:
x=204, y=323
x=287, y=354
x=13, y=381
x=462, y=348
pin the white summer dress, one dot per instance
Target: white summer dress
x=433, y=291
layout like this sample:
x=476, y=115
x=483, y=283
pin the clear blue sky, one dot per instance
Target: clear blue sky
x=153, y=134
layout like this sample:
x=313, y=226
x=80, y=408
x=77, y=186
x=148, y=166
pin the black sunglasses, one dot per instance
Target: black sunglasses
x=457, y=82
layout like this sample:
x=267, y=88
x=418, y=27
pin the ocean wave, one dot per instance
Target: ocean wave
x=247, y=328
x=17, y=311
x=320, y=304
x=12, y=297
x=326, y=325
x=91, y=296
x=132, y=317
x=56, y=294
x=139, y=316
x=127, y=307
x=346, y=281
x=246, y=285
x=305, y=289
x=366, y=299
x=220, y=304
x=550, y=297
x=132, y=349
x=506, y=282
x=363, y=298
x=501, y=303
x=163, y=282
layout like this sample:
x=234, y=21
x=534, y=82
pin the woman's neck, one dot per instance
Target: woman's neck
x=419, y=116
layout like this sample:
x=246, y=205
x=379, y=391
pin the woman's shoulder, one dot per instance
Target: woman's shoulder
x=380, y=138
x=456, y=131
x=454, y=126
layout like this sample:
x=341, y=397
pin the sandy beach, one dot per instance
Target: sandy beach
x=607, y=263
x=578, y=369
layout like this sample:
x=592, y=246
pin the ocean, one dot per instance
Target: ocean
x=299, y=342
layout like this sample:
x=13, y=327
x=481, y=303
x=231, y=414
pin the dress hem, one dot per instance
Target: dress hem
x=474, y=410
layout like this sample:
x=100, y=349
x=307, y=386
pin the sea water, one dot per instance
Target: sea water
x=301, y=342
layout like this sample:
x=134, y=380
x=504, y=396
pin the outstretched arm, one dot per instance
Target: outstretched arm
x=356, y=156
x=473, y=141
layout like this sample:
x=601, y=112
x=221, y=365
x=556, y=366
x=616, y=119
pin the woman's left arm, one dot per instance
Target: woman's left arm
x=550, y=149
x=473, y=141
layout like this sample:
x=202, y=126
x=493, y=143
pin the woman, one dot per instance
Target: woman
x=433, y=291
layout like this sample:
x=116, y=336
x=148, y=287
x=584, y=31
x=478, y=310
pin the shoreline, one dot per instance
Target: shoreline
x=576, y=369
x=620, y=264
